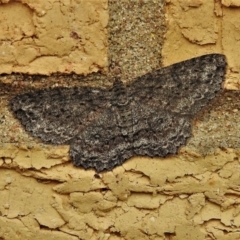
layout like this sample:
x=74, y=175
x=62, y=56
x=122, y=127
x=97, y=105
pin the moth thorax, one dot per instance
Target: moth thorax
x=119, y=97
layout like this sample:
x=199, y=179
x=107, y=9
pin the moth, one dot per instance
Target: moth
x=105, y=127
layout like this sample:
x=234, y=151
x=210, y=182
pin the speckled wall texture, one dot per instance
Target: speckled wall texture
x=193, y=195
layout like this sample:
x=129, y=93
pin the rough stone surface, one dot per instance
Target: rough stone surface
x=53, y=36
x=191, y=195
x=189, y=33
x=231, y=3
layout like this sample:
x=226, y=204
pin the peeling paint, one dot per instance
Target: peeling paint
x=191, y=195
x=53, y=36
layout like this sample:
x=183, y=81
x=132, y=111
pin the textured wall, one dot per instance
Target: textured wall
x=191, y=195
x=198, y=27
x=53, y=36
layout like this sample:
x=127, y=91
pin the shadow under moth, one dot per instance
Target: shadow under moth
x=104, y=127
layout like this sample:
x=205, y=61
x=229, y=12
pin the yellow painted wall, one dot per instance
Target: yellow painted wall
x=191, y=195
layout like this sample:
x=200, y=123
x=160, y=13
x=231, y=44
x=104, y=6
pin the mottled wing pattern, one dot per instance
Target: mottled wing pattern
x=108, y=141
x=183, y=87
x=167, y=99
x=58, y=115
x=154, y=119
x=152, y=116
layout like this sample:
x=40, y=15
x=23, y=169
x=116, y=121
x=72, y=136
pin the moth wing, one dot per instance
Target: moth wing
x=158, y=133
x=182, y=88
x=106, y=143
x=58, y=115
x=166, y=100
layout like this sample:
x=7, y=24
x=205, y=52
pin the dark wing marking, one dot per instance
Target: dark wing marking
x=58, y=115
x=167, y=99
x=183, y=87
